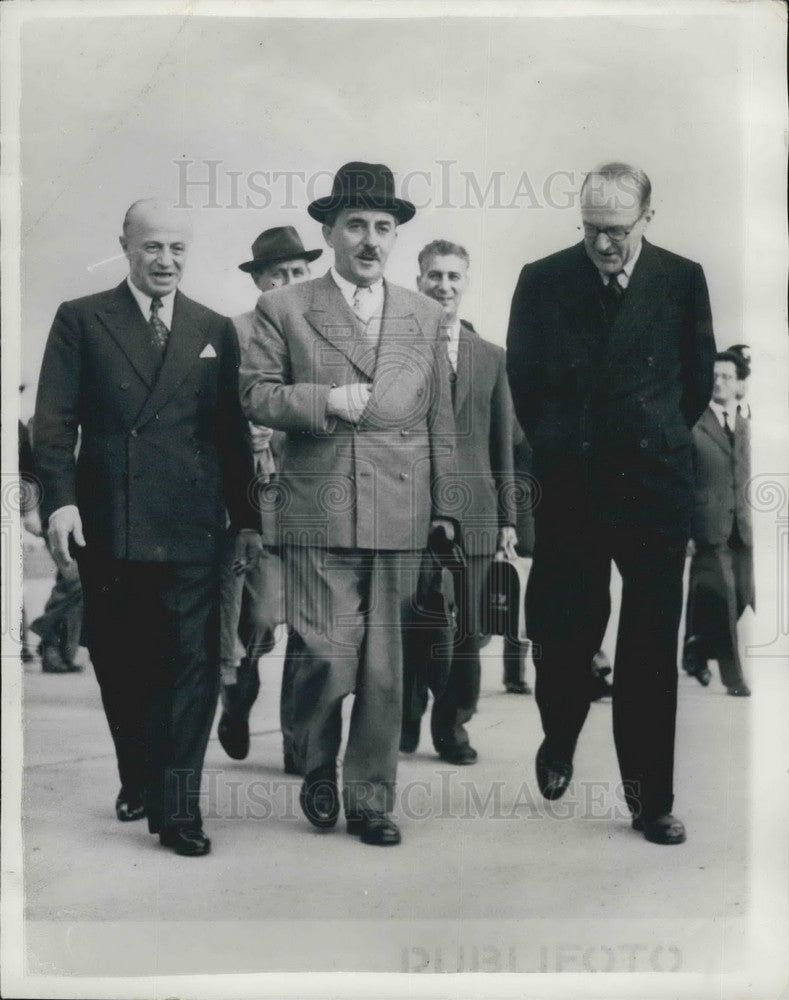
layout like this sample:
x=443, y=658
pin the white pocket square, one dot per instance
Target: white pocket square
x=208, y=351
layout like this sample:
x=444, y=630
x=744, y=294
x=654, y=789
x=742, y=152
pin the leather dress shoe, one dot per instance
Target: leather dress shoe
x=553, y=774
x=188, y=841
x=694, y=664
x=461, y=753
x=53, y=661
x=234, y=736
x=375, y=828
x=129, y=807
x=739, y=691
x=517, y=687
x=319, y=797
x=409, y=735
x=665, y=829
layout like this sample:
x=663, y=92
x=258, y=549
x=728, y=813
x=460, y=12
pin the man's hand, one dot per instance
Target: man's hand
x=348, y=402
x=31, y=522
x=249, y=548
x=508, y=539
x=447, y=526
x=64, y=523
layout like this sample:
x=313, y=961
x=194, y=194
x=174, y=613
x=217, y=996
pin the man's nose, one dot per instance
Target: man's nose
x=603, y=241
x=164, y=256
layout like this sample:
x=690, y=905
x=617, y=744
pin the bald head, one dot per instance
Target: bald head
x=156, y=240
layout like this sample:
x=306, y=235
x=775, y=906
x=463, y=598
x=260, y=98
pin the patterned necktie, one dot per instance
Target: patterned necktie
x=727, y=427
x=159, y=332
x=612, y=296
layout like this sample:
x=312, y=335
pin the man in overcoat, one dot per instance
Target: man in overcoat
x=151, y=379
x=610, y=352
x=350, y=366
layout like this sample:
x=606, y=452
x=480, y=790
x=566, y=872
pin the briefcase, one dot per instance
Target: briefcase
x=504, y=597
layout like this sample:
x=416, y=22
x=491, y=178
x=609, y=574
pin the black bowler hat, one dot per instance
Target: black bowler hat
x=362, y=185
x=280, y=243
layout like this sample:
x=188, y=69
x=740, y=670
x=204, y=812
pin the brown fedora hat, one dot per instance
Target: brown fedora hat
x=362, y=185
x=273, y=245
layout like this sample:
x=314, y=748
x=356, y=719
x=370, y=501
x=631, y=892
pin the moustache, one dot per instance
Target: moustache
x=368, y=255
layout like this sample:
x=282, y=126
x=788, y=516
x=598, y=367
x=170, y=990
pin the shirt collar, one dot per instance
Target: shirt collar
x=719, y=410
x=627, y=270
x=144, y=302
x=348, y=287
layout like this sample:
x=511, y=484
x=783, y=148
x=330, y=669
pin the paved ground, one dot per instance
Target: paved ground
x=488, y=878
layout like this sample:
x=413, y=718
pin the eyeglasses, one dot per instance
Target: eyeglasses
x=617, y=234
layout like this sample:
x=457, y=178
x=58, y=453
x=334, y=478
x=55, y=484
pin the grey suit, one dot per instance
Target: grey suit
x=352, y=502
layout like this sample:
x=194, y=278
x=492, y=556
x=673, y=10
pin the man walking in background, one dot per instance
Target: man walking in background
x=151, y=380
x=484, y=423
x=609, y=353
x=721, y=569
x=253, y=599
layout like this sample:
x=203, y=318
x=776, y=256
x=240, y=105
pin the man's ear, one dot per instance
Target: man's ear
x=124, y=243
x=648, y=216
x=327, y=235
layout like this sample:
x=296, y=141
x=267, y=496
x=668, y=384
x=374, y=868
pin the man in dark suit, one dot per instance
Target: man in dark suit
x=253, y=601
x=351, y=367
x=484, y=486
x=610, y=352
x=721, y=569
x=151, y=379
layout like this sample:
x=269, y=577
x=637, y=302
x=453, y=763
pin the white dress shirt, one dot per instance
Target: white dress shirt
x=371, y=299
x=144, y=302
x=452, y=333
x=624, y=276
x=730, y=410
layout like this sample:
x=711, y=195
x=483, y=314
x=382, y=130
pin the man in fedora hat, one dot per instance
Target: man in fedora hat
x=252, y=595
x=351, y=368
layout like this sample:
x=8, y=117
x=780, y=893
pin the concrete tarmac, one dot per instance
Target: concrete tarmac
x=489, y=877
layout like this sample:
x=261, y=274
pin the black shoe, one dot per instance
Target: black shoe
x=319, y=797
x=53, y=663
x=409, y=735
x=27, y=654
x=739, y=691
x=129, y=807
x=665, y=829
x=233, y=734
x=374, y=828
x=694, y=664
x=553, y=774
x=517, y=687
x=189, y=841
x=461, y=754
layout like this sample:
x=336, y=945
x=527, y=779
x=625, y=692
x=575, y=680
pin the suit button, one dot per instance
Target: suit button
x=586, y=446
x=643, y=443
x=420, y=392
x=134, y=433
x=404, y=433
x=124, y=385
x=364, y=472
x=404, y=475
x=650, y=361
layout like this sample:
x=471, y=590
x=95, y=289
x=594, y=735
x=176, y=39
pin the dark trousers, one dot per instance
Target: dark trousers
x=567, y=608
x=153, y=636
x=447, y=665
x=719, y=590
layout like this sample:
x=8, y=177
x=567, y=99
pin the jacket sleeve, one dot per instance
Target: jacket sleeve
x=523, y=351
x=269, y=394
x=56, y=420
x=698, y=351
x=441, y=426
x=235, y=448
x=502, y=421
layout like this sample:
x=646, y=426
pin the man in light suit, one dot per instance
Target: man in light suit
x=151, y=379
x=609, y=353
x=721, y=569
x=351, y=367
x=252, y=600
x=484, y=423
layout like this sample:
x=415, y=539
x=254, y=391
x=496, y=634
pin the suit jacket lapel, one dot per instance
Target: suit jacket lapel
x=465, y=367
x=579, y=313
x=708, y=422
x=183, y=349
x=331, y=316
x=124, y=322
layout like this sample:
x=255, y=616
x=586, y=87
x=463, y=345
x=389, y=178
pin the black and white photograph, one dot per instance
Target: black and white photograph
x=395, y=542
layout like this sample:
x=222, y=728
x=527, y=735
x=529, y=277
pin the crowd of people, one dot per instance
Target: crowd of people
x=324, y=461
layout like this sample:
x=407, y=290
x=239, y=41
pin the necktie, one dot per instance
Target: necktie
x=612, y=296
x=360, y=299
x=727, y=427
x=159, y=332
